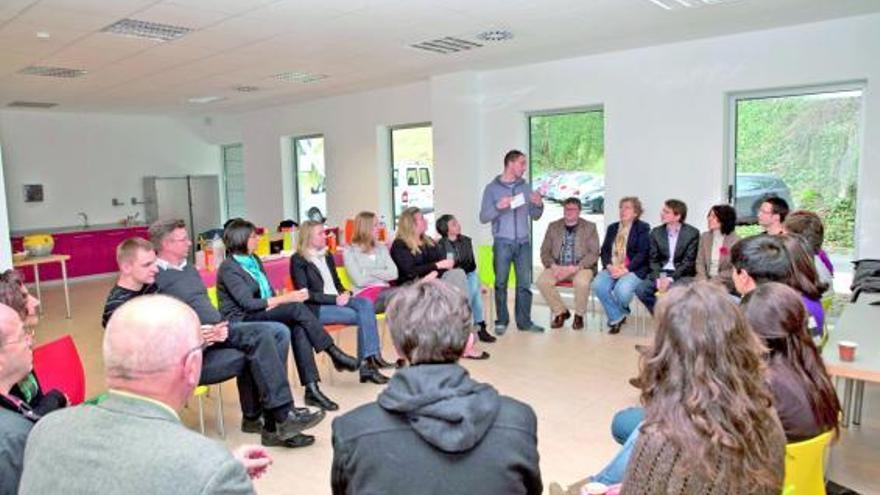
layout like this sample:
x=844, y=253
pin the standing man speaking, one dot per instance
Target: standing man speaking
x=509, y=203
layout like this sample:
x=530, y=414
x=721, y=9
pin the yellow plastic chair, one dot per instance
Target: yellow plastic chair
x=486, y=272
x=200, y=393
x=805, y=465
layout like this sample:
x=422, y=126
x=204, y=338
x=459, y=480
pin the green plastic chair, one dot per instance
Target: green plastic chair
x=486, y=272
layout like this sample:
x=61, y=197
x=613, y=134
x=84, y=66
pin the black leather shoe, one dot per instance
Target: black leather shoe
x=480, y=356
x=297, y=422
x=484, y=334
x=341, y=360
x=615, y=329
x=379, y=362
x=559, y=320
x=372, y=375
x=271, y=439
x=252, y=425
x=577, y=323
x=314, y=397
x=400, y=363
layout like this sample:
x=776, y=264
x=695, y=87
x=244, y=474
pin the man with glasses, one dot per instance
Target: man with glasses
x=569, y=253
x=259, y=352
x=22, y=400
x=133, y=441
x=771, y=215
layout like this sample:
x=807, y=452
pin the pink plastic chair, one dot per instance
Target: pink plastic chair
x=58, y=366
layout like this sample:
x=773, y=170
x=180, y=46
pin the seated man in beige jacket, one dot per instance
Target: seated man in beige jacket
x=569, y=253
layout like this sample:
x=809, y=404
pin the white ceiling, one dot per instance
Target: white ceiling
x=359, y=44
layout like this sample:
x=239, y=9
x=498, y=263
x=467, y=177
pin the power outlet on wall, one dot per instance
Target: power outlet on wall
x=116, y=202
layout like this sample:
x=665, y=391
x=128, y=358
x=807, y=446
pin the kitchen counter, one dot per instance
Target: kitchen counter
x=75, y=228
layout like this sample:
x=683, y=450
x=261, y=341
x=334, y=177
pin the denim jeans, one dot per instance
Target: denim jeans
x=475, y=296
x=615, y=295
x=505, y=252
x=625, y=430
x=359, y=311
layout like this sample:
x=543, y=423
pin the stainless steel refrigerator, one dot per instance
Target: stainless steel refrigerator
x=193, y=198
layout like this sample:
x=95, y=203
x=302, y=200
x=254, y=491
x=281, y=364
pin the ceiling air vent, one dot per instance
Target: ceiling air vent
x=446, y=45
x=146, y=30
x=31, y=104
x=41, y=70
x=246, y=89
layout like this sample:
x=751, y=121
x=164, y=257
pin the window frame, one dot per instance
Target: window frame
x=225, y=166
x=391, y=167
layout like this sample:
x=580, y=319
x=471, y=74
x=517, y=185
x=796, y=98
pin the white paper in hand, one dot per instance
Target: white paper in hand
x=517, y=201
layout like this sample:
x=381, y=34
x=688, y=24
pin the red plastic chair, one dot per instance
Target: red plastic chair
x=58, y=366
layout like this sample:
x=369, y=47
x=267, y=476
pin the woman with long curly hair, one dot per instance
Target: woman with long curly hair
x=709, y=423
x=803, y=394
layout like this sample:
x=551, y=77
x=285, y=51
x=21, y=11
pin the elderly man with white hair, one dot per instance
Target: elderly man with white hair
x=134, y=442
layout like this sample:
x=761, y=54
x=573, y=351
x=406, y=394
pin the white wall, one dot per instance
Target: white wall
x=85, y=160
x=355, y=142
x=665, y=117
x=5, y=247
x=665, y=108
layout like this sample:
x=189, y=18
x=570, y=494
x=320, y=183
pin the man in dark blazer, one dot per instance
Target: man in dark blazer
x=673, y=253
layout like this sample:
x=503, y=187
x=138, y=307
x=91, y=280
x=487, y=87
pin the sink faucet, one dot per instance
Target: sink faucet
x=85, y=219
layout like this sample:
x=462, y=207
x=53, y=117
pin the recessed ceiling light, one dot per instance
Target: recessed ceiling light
x=495, y=35
x=42, y=70
x=447, y=45
x=246, y=89
x=299, y=77
x=147, y=30
x=687, y=4
x=43, y=35
x=205, y=99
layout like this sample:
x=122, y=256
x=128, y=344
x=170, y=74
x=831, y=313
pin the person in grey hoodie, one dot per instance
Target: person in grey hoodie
x=435, y=430
x=509, y=203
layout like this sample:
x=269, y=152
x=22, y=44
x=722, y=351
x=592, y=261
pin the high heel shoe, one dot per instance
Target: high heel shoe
x=341, y=360
x=314, y=397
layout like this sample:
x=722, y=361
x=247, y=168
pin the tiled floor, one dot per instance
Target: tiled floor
x=575, y=381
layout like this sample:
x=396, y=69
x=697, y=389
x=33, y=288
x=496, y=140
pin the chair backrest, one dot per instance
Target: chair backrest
x=343, y=277
x=805, y=465
x=58, y=366
x=486, y=267
x=212, y=295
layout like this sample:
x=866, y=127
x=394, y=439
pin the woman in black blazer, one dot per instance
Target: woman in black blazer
x=312, y=269
x=625, y=253
x=244, y=294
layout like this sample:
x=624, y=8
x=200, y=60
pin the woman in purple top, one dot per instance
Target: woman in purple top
x=805, y=280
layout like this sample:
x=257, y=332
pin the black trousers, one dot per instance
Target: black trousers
x=256, y=354
x=307, y=336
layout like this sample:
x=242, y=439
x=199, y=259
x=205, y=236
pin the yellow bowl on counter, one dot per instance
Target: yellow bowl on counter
x=38, y=244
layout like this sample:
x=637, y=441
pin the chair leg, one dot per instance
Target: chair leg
x=201, y=415
x=221, y=427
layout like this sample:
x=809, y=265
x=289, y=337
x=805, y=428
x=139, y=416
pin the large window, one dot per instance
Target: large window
x=412, y=170
x=802, y=146
x=233, y=180
x=567, y=160
x=309, y=170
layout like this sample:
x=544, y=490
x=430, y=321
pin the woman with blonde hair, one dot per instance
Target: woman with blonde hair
x=368, y=262
x=312, y=268
x=418, y=257
x=710, y=426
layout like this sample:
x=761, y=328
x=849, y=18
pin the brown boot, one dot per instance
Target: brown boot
x=578, y=323
x=559, y=319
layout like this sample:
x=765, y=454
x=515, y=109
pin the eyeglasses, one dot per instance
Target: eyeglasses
x=26, y=336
